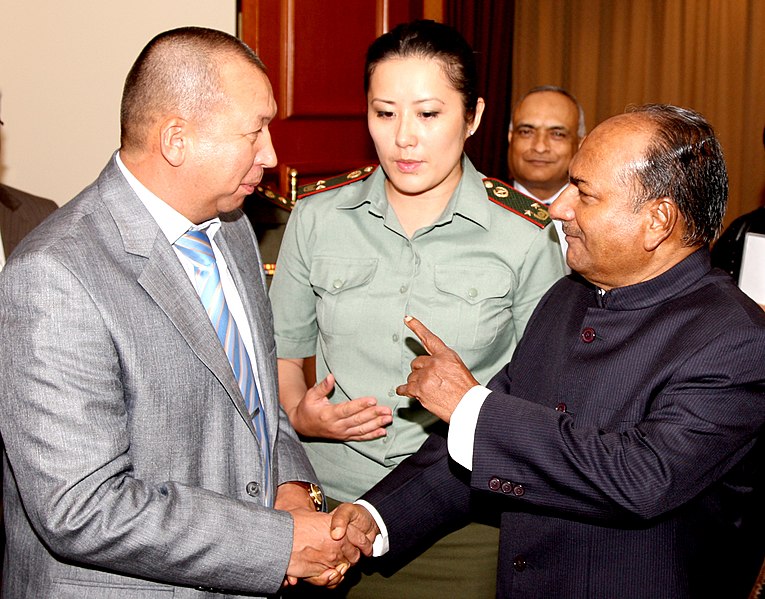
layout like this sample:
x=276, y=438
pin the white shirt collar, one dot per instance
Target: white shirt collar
x=547, y=202
x=171, y=222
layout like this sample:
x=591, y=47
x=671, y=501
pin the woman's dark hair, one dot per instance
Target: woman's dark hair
x=428, y=39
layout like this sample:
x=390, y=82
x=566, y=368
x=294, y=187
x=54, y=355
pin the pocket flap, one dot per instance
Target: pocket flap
x=335, y=275
x=472, y=284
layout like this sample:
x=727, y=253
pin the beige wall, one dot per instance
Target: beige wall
x=62, y=66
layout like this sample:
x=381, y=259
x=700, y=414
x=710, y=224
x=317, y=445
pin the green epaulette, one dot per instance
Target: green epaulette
x=335, y=182
x=513, y=200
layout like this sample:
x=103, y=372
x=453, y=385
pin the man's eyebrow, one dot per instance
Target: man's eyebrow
x=550, y=128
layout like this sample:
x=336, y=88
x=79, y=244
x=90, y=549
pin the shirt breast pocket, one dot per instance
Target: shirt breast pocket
x=342, y=289
x=473, y=304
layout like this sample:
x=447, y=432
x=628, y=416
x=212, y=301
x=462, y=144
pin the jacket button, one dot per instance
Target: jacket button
x=253, y=489
x=518, y=490
x=519, y=563
x=507, y=487
x=495, y=484
x=561, y=407
x=588, y=335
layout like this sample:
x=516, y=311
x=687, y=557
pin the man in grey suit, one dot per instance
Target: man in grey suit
x=138, y=463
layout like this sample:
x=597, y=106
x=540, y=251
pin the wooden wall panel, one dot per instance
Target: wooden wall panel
x=314, y=51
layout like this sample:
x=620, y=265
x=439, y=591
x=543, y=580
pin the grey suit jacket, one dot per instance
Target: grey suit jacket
x=134, y=467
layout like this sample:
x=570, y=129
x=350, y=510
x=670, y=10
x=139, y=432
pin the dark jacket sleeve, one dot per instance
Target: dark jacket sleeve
x=425, y=496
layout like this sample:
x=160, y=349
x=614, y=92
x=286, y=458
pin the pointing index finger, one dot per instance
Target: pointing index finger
x=430, y=341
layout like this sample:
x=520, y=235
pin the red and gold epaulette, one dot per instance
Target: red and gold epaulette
x=274, y=197
x=513, y=200
x=335, y=182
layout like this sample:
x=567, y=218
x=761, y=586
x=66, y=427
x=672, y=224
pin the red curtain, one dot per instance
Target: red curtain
x=487, y=25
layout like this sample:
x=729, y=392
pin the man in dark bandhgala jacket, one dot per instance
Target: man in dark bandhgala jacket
x=628, y=460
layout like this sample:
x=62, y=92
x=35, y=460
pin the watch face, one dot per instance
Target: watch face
x=314, y=491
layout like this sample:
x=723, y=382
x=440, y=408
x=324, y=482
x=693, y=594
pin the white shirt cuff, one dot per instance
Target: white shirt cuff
x=463, y=424
x=380, y=545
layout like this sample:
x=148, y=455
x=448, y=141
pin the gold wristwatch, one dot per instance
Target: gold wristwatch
x=314, y=494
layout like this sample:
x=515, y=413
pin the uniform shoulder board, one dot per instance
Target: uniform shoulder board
x=513, y=200
x=274, y=197
x=335, y=182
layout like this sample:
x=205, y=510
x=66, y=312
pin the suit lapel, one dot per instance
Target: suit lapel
x=165, y=281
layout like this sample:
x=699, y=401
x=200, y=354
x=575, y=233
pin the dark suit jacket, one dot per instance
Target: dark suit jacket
x=622, y=436
x=20, y=212
x=134, y=465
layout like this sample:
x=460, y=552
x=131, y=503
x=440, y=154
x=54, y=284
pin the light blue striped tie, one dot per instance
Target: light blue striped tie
x=195, y=245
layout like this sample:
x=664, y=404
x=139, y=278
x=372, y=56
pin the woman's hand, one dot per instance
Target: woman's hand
x=360, y=419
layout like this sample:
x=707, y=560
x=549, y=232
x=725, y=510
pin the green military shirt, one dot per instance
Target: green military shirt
x=346, y=276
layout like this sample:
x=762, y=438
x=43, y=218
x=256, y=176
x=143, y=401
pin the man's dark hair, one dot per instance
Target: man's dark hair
x=684, y=162
x=178, y=71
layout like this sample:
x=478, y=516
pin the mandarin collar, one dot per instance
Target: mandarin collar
x=659, y=289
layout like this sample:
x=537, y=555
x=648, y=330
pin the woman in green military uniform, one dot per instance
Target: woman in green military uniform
x=422, y=234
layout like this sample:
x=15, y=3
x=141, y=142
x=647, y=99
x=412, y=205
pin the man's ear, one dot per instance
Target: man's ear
x=173, y=140
x=662, y=218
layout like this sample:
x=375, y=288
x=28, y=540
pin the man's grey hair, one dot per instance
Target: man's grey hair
x=581, y=128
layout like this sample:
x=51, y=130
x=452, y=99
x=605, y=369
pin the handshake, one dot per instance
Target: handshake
x=324, y=545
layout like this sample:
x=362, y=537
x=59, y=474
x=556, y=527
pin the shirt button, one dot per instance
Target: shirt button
x=519, y=563
x=391, y=392
x=561, y=407
x=253, y=489
x=402, y=289
x=588, y=335
x=518, y=490
x=507, y=487
x=337, y=283
x=472, y=292
x=495, y=483
x=395, y=337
